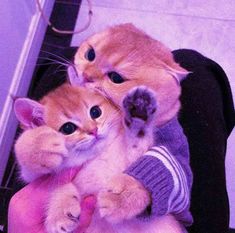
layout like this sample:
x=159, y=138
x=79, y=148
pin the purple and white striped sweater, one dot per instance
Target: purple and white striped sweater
x=165, y=172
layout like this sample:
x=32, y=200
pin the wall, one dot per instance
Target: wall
x=21, y=34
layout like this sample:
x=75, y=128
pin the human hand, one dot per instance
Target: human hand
x=123, y=198
x=27, y=207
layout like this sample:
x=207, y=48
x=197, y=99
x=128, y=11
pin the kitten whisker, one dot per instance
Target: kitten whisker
x=62, y=70
x=59, y=69
x=46, y=64
x=58, y=57
x=113, y=123
x=55, y=61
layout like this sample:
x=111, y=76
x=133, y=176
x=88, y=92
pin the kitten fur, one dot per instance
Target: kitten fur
x=140, y=59
x=104, y=155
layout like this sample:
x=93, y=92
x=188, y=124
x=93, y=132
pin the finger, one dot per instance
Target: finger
x=87, y=210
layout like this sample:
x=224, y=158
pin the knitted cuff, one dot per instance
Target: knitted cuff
x=156, y=178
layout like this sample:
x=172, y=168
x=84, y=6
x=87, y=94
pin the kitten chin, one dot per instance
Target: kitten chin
x=80, y=155
x=78, y=158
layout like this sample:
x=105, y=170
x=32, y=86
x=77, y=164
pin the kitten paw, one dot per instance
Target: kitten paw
x=64, y=211
x=50, y=149
x=40, y=151
x=140, y=107
x=53, y=149
x=124, y=198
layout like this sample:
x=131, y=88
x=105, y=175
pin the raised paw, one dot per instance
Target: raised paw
x=124, y=198
x=140, y=107
x=64, y=211
x=52, y=149
x=40, y=150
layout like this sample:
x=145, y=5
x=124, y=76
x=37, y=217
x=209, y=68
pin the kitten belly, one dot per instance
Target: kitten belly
x=118, y=154
x=97, y=173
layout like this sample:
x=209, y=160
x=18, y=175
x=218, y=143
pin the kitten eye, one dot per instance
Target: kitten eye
x=90, y=54
x=115, y=77
x=68, y=128
x=95, y=112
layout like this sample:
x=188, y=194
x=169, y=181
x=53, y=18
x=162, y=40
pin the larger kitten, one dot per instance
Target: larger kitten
x=122, y=57
x=113, y=62
x=91, y=133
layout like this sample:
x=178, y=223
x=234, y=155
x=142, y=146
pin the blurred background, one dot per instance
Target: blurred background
x=205, y=26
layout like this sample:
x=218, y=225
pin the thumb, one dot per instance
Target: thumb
x=87, y=210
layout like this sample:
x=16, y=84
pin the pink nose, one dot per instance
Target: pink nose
x=93, y=131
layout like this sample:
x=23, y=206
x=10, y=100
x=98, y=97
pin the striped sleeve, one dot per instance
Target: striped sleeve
x=162, y=175
x=179, y=196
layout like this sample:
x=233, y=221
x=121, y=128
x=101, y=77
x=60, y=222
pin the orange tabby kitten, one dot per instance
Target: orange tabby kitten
x=83, y=128
x=122, y=57
x=113, y=62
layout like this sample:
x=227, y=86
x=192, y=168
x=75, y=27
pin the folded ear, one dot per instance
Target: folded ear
x=29, y=112
x=178, y=73
x=73, y=77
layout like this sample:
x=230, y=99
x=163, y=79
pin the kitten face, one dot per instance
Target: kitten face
x=122, y=57
x=84, y=118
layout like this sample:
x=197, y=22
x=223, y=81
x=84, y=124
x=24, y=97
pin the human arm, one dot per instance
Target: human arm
x=27, y=207
x=163, y=170
x=165, y=179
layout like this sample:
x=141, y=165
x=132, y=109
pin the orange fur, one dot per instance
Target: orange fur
x=103, y=162
x=141, y=59
x=44, y=150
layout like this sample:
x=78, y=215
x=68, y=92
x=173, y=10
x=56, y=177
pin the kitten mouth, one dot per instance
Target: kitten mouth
x=85, y=146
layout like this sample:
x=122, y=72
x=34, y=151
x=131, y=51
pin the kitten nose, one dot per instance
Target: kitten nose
x=93, y=131
x=87, y=78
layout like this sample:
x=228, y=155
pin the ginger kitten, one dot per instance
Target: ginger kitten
x=75, y=126
x=122, y=57
x=60, y=114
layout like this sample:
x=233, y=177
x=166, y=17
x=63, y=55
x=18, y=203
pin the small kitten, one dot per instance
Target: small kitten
x=76, y=126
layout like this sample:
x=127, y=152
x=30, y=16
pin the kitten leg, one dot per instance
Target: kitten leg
x=63, y=210
x=123, y=198
x=140, y=109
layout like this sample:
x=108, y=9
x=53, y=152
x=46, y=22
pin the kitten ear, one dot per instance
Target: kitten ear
x=29, y=112
x=178, y=73
x=73, y=77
